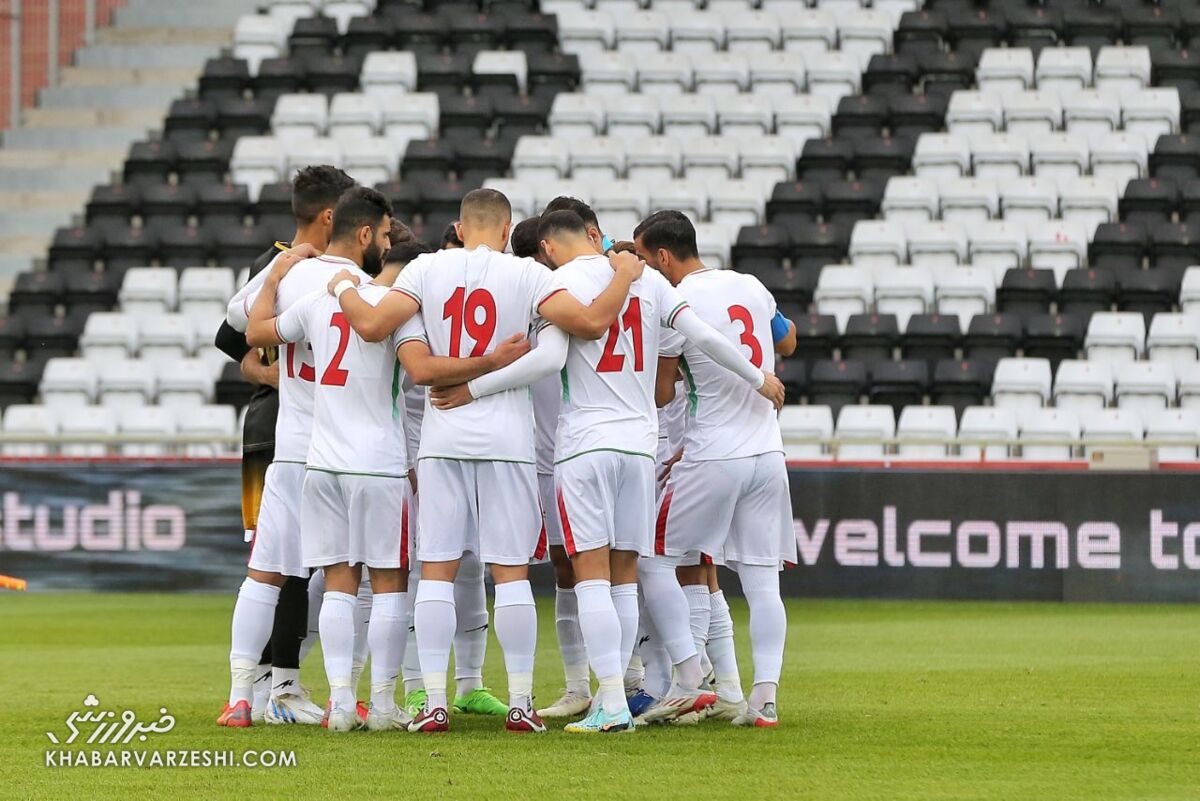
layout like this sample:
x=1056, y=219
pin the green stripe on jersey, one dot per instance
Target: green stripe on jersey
x=693, y=400
x=566, y=385
x=395, y=390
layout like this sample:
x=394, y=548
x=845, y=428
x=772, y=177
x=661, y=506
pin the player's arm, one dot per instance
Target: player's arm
x=726, y=354
x=237, y=312
x=372, y=323
x=593, y=321
x=548, y=357
x=261, y=330
x=783, y=333
x=664, y=381
x=427, y=370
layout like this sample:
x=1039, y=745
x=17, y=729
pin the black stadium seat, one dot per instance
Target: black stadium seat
x=91, y=291
x=331, y=74
x=204, y=162
x=961, y=383
x=1034, y=27
x=1054, y=337
x=232, y=388
x=1086, y=291
x=1177, y=157
x=816, y=337
x=1148, y=291
x=552, y=73
x=76, y=248
x=870, y=338
x=793, y=373
x=190, y=119
x=931, y=337
x=973, y=30
x=244, y=116
x=313, y=37
x=51, y=335
x=530, y=31
x=279, y=76
x=365, y=34
x=12, y=336
x=760, y=248
x=162, y=202
x=183, y=245
x=116, y=203
x=823, y=159
x=224, y=77
x=916, y=114
x=1149, y=201
x=891, y=74
x=943, y=73
x=19, y=379
x=919, y=32
x=433, y=158
x=817, y=244
x=150, y=162
x=795, y=201
x=36, y=293
x=847, y=202
x=859, y=115
x=1152, y=26
x=899, y=384
x=1117, y=245
x=1025, y=290
x=1178, y=68
x=991, y=337
x=836, y=383
x=222, y=202
x=1175, y=245
x=879, y=158
x=517, y=115
x=129, y=246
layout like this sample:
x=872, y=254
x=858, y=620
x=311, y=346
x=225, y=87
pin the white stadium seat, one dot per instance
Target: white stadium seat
x=983, y=431
x=574, y=116
x=503, y=62
x=809, y=31
x=965, y=292
x=653, y=159
x=1090, y=200
x=1032, y=113
x=745, y=115
x=926, y=422
x=1100, y=427
x=633, y=116
x=300, y=116
x=1029, y=199
x=864, y=423
x=354, y=116
x=1187, y=375
x=597, y=158
x=205, y=291
x=865, y=33
x=942, y=155
x=903, y=291
x=257, y=161
x=1082, y=384
x=620, y=206
x=208, y=421
x=1179, y=429
x=689, y=116
x=1059, y=155
x=583, y=32
x=697, y=32
x=35, y=420
x=664, y=73
x=149, y=421
x=714, y=243
x=69, y=383
x=835, y=75
x=778, y=73
x=968, y=200
x=1115, y=337
x=109, y=335
x=149, y=290
x=908, y=198
x=736, y=204
x=1124, y=69
x=97, y=421
x=1048, y=434
x=1021, y=383
x=126, y=382
x=1000, y=156
x=371, y=161
x=1064, y=69
x=722, y=74
x=608, y=73
x=999, y=245
x=642, y=32
x=750, y=31
x=1092, y=111
x=166, y=337
x=1060, y=245
x=843, y=291
x=1005, y=70
x=937, y=244
x=1145, y=386
x=689, y=197
x=710, y=158
x=386, y=75
x=416, y=118
x=973, y=112
x=184, y=383
x=805, y=422
x=1189, y=291
x=1173, y=338
x=878, y=243
x=519, y=193
x=541, y=158
x=802, y=117
x=1151, y=112
x=257, y=37
x=301, y=153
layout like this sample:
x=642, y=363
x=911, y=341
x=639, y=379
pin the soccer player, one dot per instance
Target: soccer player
x=476, y=465
x=729, y=492
x=271, y=613
x=604, y=450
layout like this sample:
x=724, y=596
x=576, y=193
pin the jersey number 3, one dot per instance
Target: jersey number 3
x=631, y=321
x=462, y=310
x=740, y=314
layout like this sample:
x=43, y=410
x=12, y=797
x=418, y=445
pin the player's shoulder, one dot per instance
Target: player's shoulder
x=372, y=292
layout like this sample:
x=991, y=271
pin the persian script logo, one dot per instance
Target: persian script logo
x=110, y=727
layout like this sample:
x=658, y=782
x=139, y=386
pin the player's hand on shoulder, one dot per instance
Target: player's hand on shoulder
x=772, y=390
x=510, y=350
x=627, y=264
x=305, y=250
x=445, y=398
x=343, y=275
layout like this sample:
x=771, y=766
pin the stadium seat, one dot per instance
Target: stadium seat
x=1115, y=337
x=1091, y=112
x=1178, y=429
x=109, y=335
x=1064, y=69
x=1090, y=200
x=805, y=423
x=204, y=291
x=937, y=244
x=1173, y=338
x=1189, y=291
x=1059, y=246
x=1081, y=384
x=877, y=244
x=35, y=420
x=898, y=384
x=1026, y=291
x=908, y=198
x=414, y=119
x=1087, y=291
x=1060, y=155
x=1032, y=113
x=388, y=75
x=1021, y=383
x=69, y=383
x=1048, y=434
x=903, y=292
x=843, y=291
x=984, y=431
x=968, y=200
x=166, y=336
x=257, y=37
x=86, y=421
x=219, y=422
x=1100, y=427
x=964, y=292
x=257, y=161
x=869, y=337
x=926, y=423
x=931, y=337
x=836, y=383
x=942, y=155
x=1122, y=69
x=1145, y=386
x=1151, y=112
x=864, y=423
x=998, y=245
x=835, y=75
x=125, y=382
x=1005, y=70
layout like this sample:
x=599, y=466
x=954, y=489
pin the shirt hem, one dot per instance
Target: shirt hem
x=649, y=456
x=354, y=472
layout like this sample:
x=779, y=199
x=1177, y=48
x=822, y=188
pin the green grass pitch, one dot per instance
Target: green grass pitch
x=880, y=700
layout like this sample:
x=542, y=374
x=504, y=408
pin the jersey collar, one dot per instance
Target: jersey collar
x=338, y=260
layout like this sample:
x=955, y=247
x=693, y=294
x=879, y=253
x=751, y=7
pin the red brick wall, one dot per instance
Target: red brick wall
x=35, y=29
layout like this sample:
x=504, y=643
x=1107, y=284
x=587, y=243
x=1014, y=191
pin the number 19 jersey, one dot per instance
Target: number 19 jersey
x=608, y=383
x=470, y=301
x=727, y=418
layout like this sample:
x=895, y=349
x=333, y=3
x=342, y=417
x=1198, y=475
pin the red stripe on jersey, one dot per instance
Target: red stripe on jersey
x=660, y=528
x=568, y=537
x=539, y=552
x=404, y=535
x=552, y=294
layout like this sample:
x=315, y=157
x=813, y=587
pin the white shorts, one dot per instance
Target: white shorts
x=276, y=544
x=550, y=520
x=488, y=508
x=737, y=508
x=356, y=519
x=606, y=498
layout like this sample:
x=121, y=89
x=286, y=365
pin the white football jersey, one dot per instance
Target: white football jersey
x=547, y=400
x=358, y=416
x=293, y=427
x=672, y=419
x=727, y=418
x=470, y=301
x=608, y=383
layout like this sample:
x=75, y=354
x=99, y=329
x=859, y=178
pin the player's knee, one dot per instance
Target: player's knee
x=263, y=577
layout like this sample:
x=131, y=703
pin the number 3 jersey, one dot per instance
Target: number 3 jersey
x=470, y=301
x=727, y=418
x=358, y=410
x=608, y=383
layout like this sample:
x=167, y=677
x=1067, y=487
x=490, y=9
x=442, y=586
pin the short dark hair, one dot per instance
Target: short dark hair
x=450, y=237
x=671, y=231
x=405, y=252
x=315, y=189
x=557, y=222
x=566, y=203
x=525, y=239
x=357, y=207
x=485, y=207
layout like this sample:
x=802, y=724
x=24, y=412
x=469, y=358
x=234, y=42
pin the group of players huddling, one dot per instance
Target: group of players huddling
x=609, y=406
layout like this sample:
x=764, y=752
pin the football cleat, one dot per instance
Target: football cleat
x=480, y=701
x=570, y=705
x=362, y=709
x=600, y=722
x=639, y=702
x=524, y=720
x=293, y=708
x=674, y=706
x=765, y=718
x=431, y=721
x=414, y=702
x=340, y=719
x=394, y=720
x=726, y=710
x=236, y=716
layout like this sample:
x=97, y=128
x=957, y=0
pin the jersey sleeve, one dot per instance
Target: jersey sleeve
x=237, y=313
x=670, y=343
x=291, y=325
x=411, y=279
x=414, y=329
x=543, y=284
x=670, y=301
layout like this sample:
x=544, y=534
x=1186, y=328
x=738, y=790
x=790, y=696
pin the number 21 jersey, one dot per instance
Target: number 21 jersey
x=470, y=301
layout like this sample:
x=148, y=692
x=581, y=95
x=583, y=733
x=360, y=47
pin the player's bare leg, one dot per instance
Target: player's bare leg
x=253, y=617
x=337, y=643
x=577, y=695
x=768, y=631
x=516, y=630
x=667, y=606
x=387, y=635
x=435, y=622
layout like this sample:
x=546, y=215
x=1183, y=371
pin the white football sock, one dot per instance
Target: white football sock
x=699, y=614
x=434, y=614
x=655, y=660
x=250, y=631
x=721, y=650
x=362, y=620
x=470, y=636
x=768, y=622
x=285, y=681
x=635, y=671
x=516, y=630
x=316, y=594
x=625, y=601
x=602, y=634
x=412, y=660
x=337, y=644
x=570, y=642
x=262, y=688
x=388, y=635
x=668, y=609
